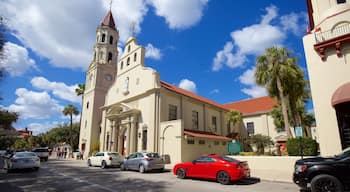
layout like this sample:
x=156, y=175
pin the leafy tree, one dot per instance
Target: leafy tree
x=272, y=69
x=7, y=138
x=260, y=141
x=235, y=117
x=70, y=110
x=21, y=144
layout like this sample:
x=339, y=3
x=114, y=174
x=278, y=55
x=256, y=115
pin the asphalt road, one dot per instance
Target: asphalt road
x=74, y=175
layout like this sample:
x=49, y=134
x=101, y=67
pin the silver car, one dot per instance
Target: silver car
x=143, y=162
x=22, y=160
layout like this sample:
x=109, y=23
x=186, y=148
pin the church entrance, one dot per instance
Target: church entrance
x=343, y=117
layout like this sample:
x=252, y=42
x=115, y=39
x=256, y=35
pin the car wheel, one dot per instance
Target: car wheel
x=142, y=169
x=89, y=162
x=181, y=173
x=36, y=168
x=324, y=182
x=122, y=167
x=161, y=170
x=223, y=177
x=103, y=164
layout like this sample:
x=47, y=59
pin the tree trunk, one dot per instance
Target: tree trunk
x=284, y=107
x=70, y=133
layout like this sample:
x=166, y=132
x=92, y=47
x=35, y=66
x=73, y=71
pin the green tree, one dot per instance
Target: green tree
x=70, y=110
x=7, y=138
x=235, y=117
x=272, y=68
x=261, y=142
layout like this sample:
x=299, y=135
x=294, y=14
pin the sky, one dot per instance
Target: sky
x=208, y=47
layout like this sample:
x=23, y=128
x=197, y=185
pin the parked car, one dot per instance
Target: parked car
x=105, y=159
x=22, y=160
x=143, y=162
x=324, y=173
x=216, y=167
x=42, y=153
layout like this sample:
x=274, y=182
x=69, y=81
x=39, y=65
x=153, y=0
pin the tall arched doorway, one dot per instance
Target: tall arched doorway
x=341, y=104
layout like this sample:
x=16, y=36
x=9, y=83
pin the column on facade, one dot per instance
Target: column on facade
x=121, y=133
x=116, y=136
x=111, y=136
x=128, y=130
x=133, y=134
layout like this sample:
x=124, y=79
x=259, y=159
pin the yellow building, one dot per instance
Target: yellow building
x=327, y=51
x=127, y=108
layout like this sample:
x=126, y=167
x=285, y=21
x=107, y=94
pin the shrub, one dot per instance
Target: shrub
x=309, y=146
x=247, y=153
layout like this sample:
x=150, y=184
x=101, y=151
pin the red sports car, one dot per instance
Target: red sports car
x=217, y=167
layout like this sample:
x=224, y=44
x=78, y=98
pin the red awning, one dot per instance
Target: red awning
x=341, y=95
x=206, y=135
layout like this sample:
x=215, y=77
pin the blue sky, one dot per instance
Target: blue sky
x=205, y=46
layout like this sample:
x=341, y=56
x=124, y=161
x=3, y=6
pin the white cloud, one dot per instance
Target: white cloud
x=125, y=13
x=226, y=57
x=17, y=60
x=179, y=14
x=254, y=39
x=64, y=31
x=255, y=91
x=248, y=79
x=59, y=89
x=37, y=105
x=188, y=85
x=270, y=15
x=214, y=91
x=153, y=52
x=38, y=128
x=295, y=22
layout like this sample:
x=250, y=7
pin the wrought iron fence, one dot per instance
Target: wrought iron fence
x=336, y=32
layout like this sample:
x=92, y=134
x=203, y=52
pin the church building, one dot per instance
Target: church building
x=127, y=108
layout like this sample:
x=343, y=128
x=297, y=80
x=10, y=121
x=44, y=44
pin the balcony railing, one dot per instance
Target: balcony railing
x=336, y=32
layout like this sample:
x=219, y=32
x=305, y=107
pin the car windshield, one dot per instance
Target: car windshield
x=113, y=154
x=229, y=159
x=25, y=154
x=153, y=155
x=344, y=153
x=40, y=150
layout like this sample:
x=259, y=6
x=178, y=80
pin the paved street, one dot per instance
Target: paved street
x=74, y=175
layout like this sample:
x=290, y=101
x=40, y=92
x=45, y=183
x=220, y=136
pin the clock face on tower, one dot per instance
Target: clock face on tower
x=108, y=77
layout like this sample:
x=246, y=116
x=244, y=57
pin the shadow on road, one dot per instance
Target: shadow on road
x=248, y=181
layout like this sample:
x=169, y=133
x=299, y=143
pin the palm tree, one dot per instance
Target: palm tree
x=70, y=110
x=235, y=117
x=272, y=69
x=80, y=92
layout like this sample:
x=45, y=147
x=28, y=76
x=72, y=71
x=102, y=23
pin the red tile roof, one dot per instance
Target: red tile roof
x=253, y=106
x=178, y=90
x=108, y=20
x=206, y=135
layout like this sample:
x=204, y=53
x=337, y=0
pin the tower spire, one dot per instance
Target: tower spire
x=110, y=5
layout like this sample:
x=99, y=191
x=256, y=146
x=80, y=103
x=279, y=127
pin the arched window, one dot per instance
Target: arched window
x=98, y=36
x=101, y=55
x=103, y=38
x=110, y=40
x=110, y=55
x=341, y=1
x=135, y=57
x=121, y=65
x=129, y=48
x=128, y=61
x=94, y=55
x=87, y=105
x=126, y=86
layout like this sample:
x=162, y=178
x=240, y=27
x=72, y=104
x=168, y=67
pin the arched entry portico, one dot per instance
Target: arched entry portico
x=123, y=121
x=341, y=104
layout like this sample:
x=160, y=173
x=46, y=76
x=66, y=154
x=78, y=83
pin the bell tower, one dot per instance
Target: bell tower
x=100, y=76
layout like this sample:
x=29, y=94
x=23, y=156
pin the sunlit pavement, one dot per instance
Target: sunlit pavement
x=75, y=175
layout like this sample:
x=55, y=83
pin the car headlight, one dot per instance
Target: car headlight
x=300, y=168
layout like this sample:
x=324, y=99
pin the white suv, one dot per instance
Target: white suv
x=42, y=153
x=105, y=159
